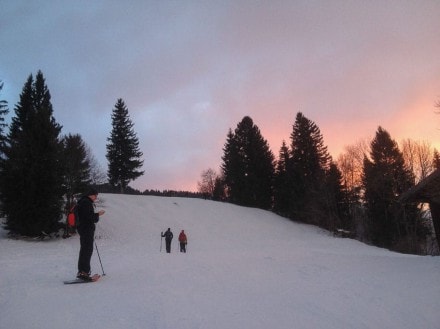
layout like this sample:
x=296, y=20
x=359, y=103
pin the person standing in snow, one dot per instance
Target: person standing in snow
x=183, y=241
x=168, y=235
x=86, y=219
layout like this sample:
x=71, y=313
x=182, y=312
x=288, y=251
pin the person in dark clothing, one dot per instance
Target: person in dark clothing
x=86, y=218
x=183, y=241
x=168, y=235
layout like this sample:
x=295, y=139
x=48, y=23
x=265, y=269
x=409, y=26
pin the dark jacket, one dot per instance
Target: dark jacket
x=86, y=215
x=168, y=235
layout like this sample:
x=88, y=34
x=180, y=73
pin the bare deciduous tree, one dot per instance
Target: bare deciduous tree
x=418, y=156
x=207, y=185
x=97, y=173
x=350, y=164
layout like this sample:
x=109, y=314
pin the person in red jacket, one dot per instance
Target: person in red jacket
x=183, y=241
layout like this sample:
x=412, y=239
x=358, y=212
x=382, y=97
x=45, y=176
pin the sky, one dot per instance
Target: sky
x=244, y=268
x=189, y=71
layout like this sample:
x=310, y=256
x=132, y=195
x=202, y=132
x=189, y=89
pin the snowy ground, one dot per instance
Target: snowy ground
x=245, y=268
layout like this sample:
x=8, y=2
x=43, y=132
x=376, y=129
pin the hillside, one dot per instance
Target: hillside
x=245, y=268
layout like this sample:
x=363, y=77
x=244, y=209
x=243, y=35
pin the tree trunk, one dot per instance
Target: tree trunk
x=435, y=213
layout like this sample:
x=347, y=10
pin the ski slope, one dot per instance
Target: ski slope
x=245, y=268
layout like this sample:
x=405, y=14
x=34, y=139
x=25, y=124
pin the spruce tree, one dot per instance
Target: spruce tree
x=219, y=189
x=309, y=162
x=248, y=166
x=232, y=169
x=31, y=179
x=282, y=182
x=385, y=178
x=123, y=152
x=77, y=170
x=337, y=203
x=3, y=112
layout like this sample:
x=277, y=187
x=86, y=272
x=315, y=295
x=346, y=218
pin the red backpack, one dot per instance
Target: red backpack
x=71, y=217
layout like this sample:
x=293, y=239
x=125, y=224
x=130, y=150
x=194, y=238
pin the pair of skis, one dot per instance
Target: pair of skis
x=93, y=278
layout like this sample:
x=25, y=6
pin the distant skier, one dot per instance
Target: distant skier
x=183, y=241
x=168, y=235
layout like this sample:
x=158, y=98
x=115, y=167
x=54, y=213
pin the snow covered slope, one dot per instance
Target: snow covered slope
x=245, y=268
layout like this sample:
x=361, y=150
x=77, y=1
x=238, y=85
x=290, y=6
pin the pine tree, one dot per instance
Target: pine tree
x=77, y=168
x=248, y=167
x=385, y=178
x=309, y=162
x=123, y=152
x=337, y=203
x=282, y=182
x=3, y=112
x=31, y=179
x=219, y=193
x=232, y=168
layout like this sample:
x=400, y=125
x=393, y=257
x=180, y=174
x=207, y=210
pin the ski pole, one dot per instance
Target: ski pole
x=161, y=241
x=97, y=251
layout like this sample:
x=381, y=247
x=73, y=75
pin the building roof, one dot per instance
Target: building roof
x=427, y=190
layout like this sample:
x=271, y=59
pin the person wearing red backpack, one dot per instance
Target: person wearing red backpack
x=86, y=220
x=183, y=241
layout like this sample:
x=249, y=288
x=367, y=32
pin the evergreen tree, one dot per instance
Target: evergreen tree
x=219, y=189
x=3, y=112
x=232, y=169
x=385, y=178
x=282, y=182
x=248, y=166
x=123, y=152
x=77, y=167
x=337, y=204
x=31, y=179
x=309, y=162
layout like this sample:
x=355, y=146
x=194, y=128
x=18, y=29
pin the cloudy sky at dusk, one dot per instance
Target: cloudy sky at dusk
x=189, y=71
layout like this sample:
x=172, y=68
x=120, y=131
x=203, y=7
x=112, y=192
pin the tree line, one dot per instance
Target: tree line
x=42, y=170
x=357, y=195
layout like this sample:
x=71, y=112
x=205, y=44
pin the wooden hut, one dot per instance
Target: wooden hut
x=427, y=191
